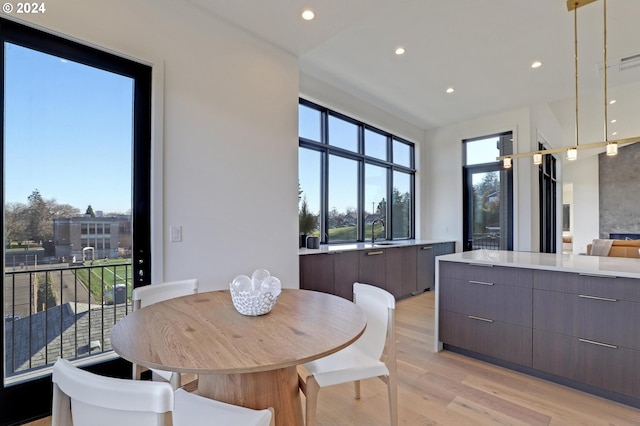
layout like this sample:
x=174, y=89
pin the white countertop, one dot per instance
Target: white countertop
x=609, y=266
x=336, y=248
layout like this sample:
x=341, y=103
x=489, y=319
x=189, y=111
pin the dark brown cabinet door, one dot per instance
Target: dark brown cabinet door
x=409, y=270
x=372, y=267
x=316, y=272
x=594, y=363
x=345, y=273
x=485, y=336
x=393, y=271
x=425, y=266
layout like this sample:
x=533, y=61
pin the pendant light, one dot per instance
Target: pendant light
x=611, y=147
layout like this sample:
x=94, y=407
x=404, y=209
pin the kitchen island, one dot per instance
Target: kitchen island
x=566, y=318
x=402, y=267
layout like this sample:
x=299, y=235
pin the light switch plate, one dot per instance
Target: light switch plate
x=175, y=234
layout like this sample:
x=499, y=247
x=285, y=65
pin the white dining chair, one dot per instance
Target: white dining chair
x=372, y=355
x=154, y=293
x=81, y=398
x=191, y=410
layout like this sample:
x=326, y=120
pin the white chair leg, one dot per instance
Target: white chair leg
x=176, y=381
x=137, y=371
x=60, y=408
x=392, y=389
x=311, y=392
x=356, y=386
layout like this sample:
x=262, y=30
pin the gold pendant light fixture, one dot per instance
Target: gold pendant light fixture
x=572, y=152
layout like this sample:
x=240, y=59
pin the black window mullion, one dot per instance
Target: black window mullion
x=324, y=179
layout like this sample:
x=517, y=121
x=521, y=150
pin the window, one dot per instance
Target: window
x=65, y=105
x=488, y=194
x=348, y=173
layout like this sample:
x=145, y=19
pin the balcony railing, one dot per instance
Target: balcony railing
x=66, y=312
x=484, y=241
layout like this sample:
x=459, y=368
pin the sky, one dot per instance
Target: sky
x=68, y=132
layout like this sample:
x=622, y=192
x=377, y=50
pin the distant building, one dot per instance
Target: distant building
x=108, y=236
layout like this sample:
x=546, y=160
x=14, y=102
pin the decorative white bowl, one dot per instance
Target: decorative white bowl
x=256, y=295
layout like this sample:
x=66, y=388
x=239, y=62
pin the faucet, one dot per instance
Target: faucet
x=373, y=235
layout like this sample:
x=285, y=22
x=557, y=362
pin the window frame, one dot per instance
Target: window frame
x=325, y=148
x=467, y=187
x=38, y=390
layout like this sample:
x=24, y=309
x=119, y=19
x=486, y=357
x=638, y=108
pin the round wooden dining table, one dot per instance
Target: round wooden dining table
x=243, y=360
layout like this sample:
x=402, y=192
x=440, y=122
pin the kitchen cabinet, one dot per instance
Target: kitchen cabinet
x=578, y=329
x=394, y=274
x=586, y=329
x=482, y=307
x=345, y=273
x=402, y=270
x=332, y=273
x=372, y=267
x=425, y=267
x=316, y=273
x=409, y=270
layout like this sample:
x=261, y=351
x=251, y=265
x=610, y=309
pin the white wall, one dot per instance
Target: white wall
x=225, y=150
x=582, y=174
x=442, y=165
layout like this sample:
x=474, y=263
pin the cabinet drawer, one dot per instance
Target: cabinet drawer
x=499, y=302
x=487, y=273
x=500, y=340
x=601, y=286
x=591, y=317
x=614, y=369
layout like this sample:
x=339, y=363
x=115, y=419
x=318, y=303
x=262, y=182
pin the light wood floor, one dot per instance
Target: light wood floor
x=449, y=389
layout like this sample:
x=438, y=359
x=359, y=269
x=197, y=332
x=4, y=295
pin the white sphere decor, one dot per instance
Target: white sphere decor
x=256, y=295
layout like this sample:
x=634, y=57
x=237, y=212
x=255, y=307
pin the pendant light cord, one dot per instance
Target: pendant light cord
x=575, y=56
x=606, y=103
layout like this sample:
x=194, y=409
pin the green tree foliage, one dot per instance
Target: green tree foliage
x=307, y=220
x=487, y=198
x=33, y=221
x=39, y=218
x=401, y=213
x=15, y=223
x=90, y=211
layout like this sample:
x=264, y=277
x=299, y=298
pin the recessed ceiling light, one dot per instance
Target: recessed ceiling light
x=308, y=14
x=614, y=133
x=614, y=120
x=400, y=50
x=536, y=64
x=612, y=101
x=451, y=90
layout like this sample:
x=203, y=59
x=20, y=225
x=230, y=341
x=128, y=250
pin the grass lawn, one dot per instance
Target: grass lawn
x=100, y=280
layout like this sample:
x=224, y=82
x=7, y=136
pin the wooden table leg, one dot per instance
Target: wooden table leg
x=275, y=388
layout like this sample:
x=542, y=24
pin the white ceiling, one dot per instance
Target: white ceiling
x=483, y=48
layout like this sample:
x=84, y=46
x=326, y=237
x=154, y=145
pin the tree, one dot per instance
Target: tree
x=306, y=219
x=62, y=210
x=38, y=217
x=487, y=199
x=90, y=211
x=15, y=222
x=401, y=207
x=39, y=220
x=381, y=209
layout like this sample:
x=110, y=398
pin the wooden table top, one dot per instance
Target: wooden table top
x=204, y=334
